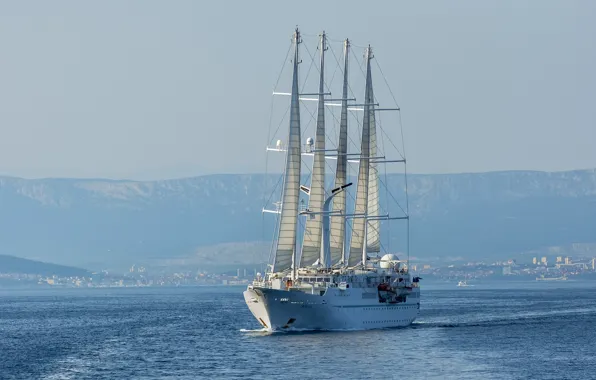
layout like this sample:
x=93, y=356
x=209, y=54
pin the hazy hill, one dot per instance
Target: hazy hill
x=82, y=222
x=11, y=264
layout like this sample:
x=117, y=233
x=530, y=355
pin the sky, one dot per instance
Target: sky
x=164, y=89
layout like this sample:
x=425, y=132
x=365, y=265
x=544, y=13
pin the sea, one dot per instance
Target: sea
x=531, y=330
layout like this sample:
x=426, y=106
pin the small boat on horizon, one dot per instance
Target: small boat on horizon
x=542, y=278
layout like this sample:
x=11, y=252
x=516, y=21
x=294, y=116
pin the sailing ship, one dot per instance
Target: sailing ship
x=316, y=278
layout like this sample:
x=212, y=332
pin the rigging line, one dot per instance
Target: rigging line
x=283, y=66
x=401, y=129
x=351, y=43
x=334, y=125
x=360, y=64
x=274, y=240
x=312, y=61
x=395, y=200
x=385, y=175
x=311, y=120
x=280, y=122
x=337, y=67
x=262, y=254
x=378, y=231
x=279, y=180
x=388, y=137
x=387, y=83
x=403, y=156
x=405, y=168
x=397, y=105
x=408, y=213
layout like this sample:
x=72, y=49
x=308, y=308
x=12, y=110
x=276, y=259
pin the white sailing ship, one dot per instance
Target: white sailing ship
x=326, y=282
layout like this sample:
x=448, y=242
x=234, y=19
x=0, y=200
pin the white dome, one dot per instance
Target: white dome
x=389, y=260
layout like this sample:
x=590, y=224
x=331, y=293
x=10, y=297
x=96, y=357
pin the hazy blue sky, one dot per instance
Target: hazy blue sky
x=161, y=89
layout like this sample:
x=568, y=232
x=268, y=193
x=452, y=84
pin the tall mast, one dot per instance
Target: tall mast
x=338, y=223
x=311, y=246
x=285, y=254
x=358, y=243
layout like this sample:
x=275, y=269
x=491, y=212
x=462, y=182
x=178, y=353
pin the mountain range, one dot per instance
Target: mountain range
x=217, y=219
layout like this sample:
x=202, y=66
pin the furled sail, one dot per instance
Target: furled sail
x=373, y=237
x=338, y=223
x=311, y=246
x=286, y=241
x=358, y=226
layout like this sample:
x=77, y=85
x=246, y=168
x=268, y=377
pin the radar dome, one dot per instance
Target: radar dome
x=389, y=260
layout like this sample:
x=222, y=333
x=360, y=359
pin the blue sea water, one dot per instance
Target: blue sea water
x=499, y=331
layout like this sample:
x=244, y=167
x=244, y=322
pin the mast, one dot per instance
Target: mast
x=338, y=223
x=358, y=244
x=311, y=246
x=285, y=254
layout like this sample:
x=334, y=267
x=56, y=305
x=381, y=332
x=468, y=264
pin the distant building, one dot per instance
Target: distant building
x=544, y=261
x=506, y=271
x=567, y=260
x=559, y=259
x=534, y=261
x=426, y=266
x=238, y=273
x=245, y=275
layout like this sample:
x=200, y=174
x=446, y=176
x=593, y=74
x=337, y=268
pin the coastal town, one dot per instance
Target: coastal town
x=558, y=268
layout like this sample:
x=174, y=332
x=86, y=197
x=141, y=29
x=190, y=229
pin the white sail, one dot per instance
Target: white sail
x=338, y=223
x=311, y=246
x=286, y=241
x=358, y=226
x=373, y=237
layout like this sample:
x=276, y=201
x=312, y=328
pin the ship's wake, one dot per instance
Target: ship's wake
x=522, y=318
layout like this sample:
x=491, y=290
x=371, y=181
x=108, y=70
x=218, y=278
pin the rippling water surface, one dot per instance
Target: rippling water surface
x=537, y=331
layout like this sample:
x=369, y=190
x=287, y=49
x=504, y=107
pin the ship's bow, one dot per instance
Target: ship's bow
x=256, y=303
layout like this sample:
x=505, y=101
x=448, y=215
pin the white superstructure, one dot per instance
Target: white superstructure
x=316, y=278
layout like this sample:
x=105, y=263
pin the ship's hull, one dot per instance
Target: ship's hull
x=336, y=309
